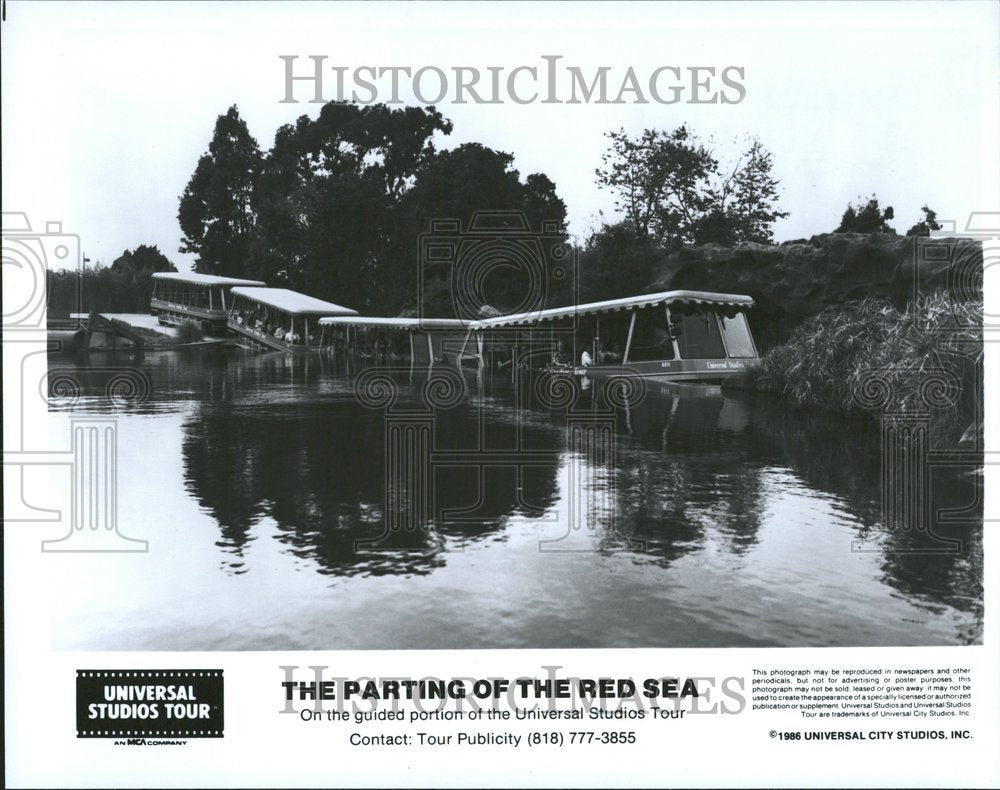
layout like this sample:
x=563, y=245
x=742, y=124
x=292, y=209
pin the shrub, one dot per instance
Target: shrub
x=868, y=355
x=189, y=332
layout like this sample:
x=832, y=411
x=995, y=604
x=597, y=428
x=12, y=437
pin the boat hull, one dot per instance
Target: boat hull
x=173, y=314
x=694, y=370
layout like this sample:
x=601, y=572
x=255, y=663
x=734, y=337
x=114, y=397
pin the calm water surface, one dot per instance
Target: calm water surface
x=528, y=515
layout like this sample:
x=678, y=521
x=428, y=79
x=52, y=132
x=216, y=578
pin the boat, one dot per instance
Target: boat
x=179, y=297
x=279, y=319
x=424, y=341
x=681, y=335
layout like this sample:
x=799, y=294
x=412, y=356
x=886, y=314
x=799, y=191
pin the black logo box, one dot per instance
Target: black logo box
x=205, y=685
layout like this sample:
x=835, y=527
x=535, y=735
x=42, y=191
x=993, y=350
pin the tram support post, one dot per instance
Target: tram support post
x=628, y=341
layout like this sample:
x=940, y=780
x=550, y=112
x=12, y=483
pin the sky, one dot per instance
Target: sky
x=108, y=105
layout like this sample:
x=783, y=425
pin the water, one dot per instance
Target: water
x=678, y=517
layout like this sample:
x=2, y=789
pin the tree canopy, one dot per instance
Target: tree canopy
x=123, y=287
x=145, y=259
x=671, y=187
x=866, y=218
x=928, y=224
x=336, y=207
x=616, y=261
x=216, y=211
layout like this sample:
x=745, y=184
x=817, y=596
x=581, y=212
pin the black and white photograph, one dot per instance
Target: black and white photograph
x=460, y=327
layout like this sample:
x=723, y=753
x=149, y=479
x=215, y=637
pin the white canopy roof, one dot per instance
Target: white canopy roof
x=614, y=305
x=203, y=279
x=608, y=306
x=396, y=323
x=292, y=302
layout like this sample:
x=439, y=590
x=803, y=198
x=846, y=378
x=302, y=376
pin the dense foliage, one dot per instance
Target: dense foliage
x=337, y=206
x=123, y=287
x=340, y=204
x=868, y=355
x=671, y=187
x=928, y=224
x=190, y=332
x=866, y=218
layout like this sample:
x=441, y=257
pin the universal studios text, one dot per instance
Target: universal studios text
x=311, y=79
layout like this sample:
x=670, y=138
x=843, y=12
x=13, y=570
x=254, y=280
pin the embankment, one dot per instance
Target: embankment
x=795, y=280
x=859, y=322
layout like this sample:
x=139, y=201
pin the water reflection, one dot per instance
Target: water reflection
x=757, y=495
x=685, y=472
x=318, y=468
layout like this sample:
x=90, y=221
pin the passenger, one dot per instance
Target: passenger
x=605, y=355
x=585, y=359
x=279, y=333
x=559, y=355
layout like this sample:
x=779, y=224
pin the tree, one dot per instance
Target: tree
x=616, y=262
x=130, y=278
x=671, y=188
x=749, y=196
x=926, y=225
x=473, y=178
x=216, y=210
x=457, y=183
x=337, y=205
x=661, y=181
x=123, y=287
x=146, y=258
x=867, y=218
x=329, y=202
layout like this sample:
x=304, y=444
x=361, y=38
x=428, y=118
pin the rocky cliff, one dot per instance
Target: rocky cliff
x=796, y=279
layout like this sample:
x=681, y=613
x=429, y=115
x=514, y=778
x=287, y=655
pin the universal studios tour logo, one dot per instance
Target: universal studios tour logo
x=135, y=704
x=312, y=80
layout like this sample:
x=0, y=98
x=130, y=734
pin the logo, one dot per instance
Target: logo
x=115, y=703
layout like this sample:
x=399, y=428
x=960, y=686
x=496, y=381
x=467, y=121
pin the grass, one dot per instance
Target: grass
x=190, y=332
x=870, y=356
x=151, y=337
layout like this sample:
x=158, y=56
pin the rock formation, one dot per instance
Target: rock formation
x=800, y=278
